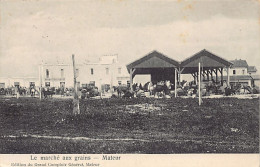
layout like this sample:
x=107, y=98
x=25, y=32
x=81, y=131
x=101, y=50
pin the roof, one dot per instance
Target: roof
x=238, y=77
x=239, y=63
x=251, y=69
x=207, y=59
x=154, y=59
x=256, y=77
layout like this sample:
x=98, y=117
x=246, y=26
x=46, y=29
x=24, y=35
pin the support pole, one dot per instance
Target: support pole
x=179, y=75
x=221, y=72
x=175, y=83
x=216, y=75
x=111, y=84
x=76, y=98
x=208, y=75
x=211, y=73
x=193, y=75
x=203, y=75
x=131, y=79
x=40, y=81
x=199, y=85
x=197, y=77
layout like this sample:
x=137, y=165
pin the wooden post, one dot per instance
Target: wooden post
x=175, y=83
x=197, y=79
x=100, y=88
x=40, y=81
x=199, y=85
x=211, y=73
x=131, y=79
x=111, y=84
x=203, y=75
x=76, y=98
x=194, y=77
x=221, y=72
x=179, y=75
x=216, y=75
x=208, y=75
x=228, y=79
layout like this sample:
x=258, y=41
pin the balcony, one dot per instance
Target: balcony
x=55, y=79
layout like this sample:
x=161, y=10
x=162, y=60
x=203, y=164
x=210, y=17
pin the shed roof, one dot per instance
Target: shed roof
x=207, y=59
x=154, y=59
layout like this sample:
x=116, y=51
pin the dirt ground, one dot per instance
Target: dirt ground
x=139, y=125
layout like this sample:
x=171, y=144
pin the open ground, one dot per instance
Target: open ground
x=137, y=125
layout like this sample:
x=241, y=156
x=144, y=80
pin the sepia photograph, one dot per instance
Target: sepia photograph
x=110, y=77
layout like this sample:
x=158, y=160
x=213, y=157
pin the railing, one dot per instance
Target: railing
x=54, y=79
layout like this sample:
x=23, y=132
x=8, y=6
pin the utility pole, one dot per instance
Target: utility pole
x=175, y=82
x=76, y=98
x=199, y=85
x=40, y=80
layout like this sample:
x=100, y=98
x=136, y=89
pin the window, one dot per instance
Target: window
x=47, y=73
x=119, y=70
x=16, y=84
x=84, y=85
x=92, y=83
x=243, y=71
x=32, y=84
x=107, y=71
x=92, y=71
x=2, y=85
x=77, y=72
x=234, y=71
x=119, y=82
x=62, y=84
x=47, y=84
x=62, y=73
x=128, y=83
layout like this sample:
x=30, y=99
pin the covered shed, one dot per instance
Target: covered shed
x=160, y=66
x=203, y=65
x=211, y=66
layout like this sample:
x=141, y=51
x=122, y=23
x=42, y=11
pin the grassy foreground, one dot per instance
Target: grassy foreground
x=226, y=125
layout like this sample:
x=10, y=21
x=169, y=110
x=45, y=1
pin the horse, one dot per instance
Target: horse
x=121, y=89
x=89, y=91
x=2, y=91
x=146, y=86
x=134, y=86
x=47, y=93
x=32, y=92
x=160, y=88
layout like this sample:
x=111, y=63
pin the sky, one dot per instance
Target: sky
x=32, y=31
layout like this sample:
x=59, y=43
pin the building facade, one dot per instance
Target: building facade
x=241, y=72
x=107, y=72
x=7, y=82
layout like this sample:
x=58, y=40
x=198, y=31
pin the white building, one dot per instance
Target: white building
x=239, y=67
x=241, y=72
x=27, y=82
x=107, y=71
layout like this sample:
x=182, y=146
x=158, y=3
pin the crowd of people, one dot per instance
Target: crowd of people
x=20, y=91
x=161, y=88
x=34, y=91
x=184, y=88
